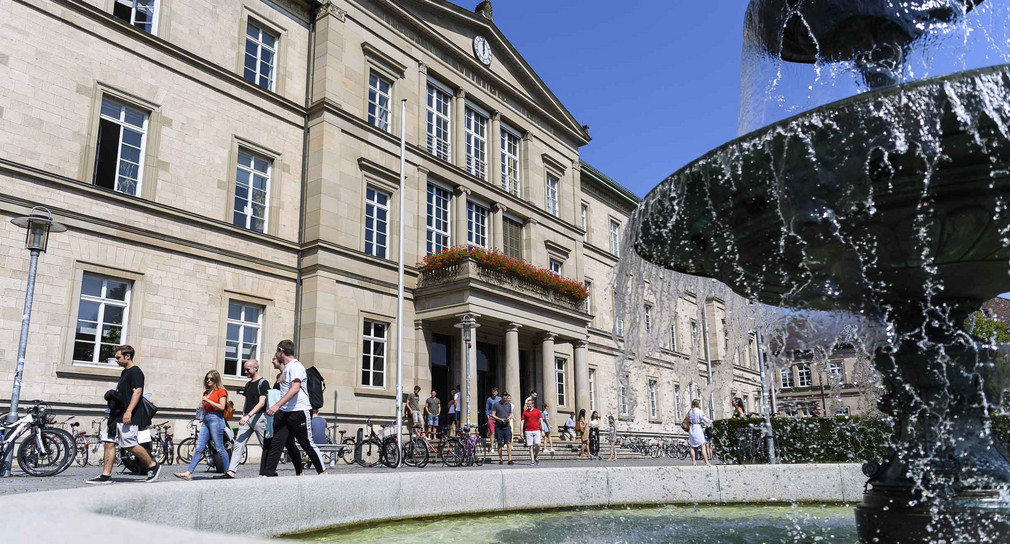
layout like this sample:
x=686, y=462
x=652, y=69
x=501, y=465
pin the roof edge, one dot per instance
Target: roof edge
x=609, y=183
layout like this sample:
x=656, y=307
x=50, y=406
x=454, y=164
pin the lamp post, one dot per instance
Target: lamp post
x=38, y=224
x=468, y=323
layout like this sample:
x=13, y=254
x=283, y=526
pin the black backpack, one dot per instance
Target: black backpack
x=316, y=387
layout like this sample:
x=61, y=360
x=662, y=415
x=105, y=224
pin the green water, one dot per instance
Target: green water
x=673, y=524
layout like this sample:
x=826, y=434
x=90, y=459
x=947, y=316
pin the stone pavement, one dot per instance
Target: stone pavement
x=75, y=476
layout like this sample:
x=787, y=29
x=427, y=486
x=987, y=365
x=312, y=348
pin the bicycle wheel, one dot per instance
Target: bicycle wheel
x=69, y=447
x=415, y=453
x=368, y=452
x=45, y=461
x=453, y=453
x=480, y=452
x=390, y=453
x=81, y=445
x=347, y=453
x=185, y=450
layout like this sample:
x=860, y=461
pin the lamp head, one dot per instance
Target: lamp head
x=38, y=224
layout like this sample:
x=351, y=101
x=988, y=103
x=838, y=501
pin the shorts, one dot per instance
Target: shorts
x=502, y=434
x=450, y=419
x=127, y=436
x=432, y=421
x=490, y=425
x=532, y=438
x=416, y=417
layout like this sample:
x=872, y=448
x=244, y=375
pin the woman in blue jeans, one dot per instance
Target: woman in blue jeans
x=215, y=398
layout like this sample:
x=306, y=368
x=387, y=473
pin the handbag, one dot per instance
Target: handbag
x=686, y=424
x=229, y=411
x=144, y=413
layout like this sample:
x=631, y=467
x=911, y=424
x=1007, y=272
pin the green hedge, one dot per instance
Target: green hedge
x=840, y=439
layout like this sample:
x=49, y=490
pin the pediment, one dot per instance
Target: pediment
x=451, y=29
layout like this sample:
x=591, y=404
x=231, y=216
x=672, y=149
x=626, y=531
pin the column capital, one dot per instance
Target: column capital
x=532, y=221
x=496, y=116
x=422, y=67
x=577, y=165
x=460, y=93
x=545, y=336
x=499, y=207
x=422, y=170
x=419, y=324
x=330, y=8
x=580, y=344
x=527, y=136
x=461, y=191
x=512, y=327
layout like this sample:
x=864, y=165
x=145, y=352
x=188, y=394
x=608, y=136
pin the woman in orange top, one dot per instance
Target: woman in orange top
x=215, y=398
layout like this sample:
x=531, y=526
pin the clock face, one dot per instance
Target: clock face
x=482, y=50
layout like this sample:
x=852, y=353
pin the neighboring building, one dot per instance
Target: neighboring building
x=229, y=174
x=838, y=386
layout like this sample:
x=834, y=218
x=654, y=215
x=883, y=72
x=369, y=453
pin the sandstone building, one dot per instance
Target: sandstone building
x=229, y=175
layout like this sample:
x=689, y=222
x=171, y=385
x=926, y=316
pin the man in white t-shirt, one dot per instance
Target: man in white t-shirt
x=292, y=413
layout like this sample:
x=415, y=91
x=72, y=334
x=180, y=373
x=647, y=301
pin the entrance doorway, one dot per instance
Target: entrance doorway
x=487, y=377
x=440, y=355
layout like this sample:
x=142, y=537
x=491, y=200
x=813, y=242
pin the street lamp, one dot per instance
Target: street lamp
x=37, y=224
x=468, y=323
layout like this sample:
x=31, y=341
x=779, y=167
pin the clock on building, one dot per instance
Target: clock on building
x=482, y=49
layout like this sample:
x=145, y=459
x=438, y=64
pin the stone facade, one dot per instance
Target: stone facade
x=315, y=271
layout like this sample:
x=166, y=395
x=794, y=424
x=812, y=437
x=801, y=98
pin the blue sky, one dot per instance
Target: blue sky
x=662, y=94
x=658, y=81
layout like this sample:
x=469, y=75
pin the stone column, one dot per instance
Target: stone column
x=422, y=106
x=459, y=221
x=581, y=357
x=548, y=389
x=422, y=359
x=494, y=150
x=530, y=192
x=456, y=130
x=532, y=244
x=498, y=226
x=512, y=361
x=461, y=379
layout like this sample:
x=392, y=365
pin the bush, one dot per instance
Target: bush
x=505, y=264
x=840, y=439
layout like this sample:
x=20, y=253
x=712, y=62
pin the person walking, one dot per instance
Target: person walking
x=253, y=411
x=531, y=430
x=432, y=409
x=292, y=412
x=545, y=427
x=582, y=430
x=122, y=427
x=274, y=395
x=502, y=414
x=612, y=434
x=492, y=399
x=215, y=398
x=532, y=398
x=696, y=421
x=594, y=434
x=569, y=428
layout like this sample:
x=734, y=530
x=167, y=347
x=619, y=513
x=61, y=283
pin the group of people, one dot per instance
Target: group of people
x=280, y=416
x=425, y=419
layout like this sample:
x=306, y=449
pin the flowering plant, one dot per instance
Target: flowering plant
x=508, y=265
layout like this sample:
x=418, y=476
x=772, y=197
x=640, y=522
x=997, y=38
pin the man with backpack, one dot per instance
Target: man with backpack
x=253, y=420
x=292, y=413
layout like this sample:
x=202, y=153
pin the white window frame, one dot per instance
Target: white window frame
x=240, y=344
x=559, y=381
x=368, y=342
x=133, y=14
x=103, y=301
x=556, y=266
x=618, y=319
x=374, y=224
x=510, y=165
x=786, y=378
x=476, y=123
x=648, y=318
x=615, y=237
x=438, y=239
x=836, y=371
x=374, y=115
x=678, y=410
x=673, y=334
x=257, y=76
x=694, y=334
x=477, y=224
x=551, y=203
x=248, y=213
x=653, y=399
x=804, y=378
x=592, y=389
x=589, y=297
x=585, y=222
x=622, y=398
x=438, y=120
x=124, y=125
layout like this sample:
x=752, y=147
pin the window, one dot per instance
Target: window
x=653, y=401
x=512, y=237
x=615, y=237
x=725, y=337
x=476, y=143
x=376, y=222
x=101, y=318
x=622, y=398
x=592, y=389
x=243, y=339
x=559, y=379
x=803, y=375
x=510, y=162
x=260, y=56
x=252, y=187
x=122, y=135
x=786, y=375
x=555, y=267
x=438, y=219
x=476, y=224
x=648, y=318
x=373, y=354
x=138, y=13
x=589, y=298
x=836, y=372
x=438, y=121
x=694, y=334
x=673, y=334
x=678, y=409
x=378, y=101
x=552, y=195
x=618, y=319
x=585, y=222
x=746, y=404
x=842, y=411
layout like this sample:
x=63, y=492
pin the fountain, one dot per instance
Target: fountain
x=891, y=206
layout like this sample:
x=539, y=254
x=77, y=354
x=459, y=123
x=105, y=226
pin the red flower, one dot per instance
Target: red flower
x=505, y=264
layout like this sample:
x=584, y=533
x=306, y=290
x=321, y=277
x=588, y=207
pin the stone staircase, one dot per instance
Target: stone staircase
x=565, y=450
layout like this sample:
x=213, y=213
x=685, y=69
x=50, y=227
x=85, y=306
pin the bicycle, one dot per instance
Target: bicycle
x=377, y=448
x=80, y=440
x=471, y=450
x=162, y=443
x=45, y=451
x=187, y=447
